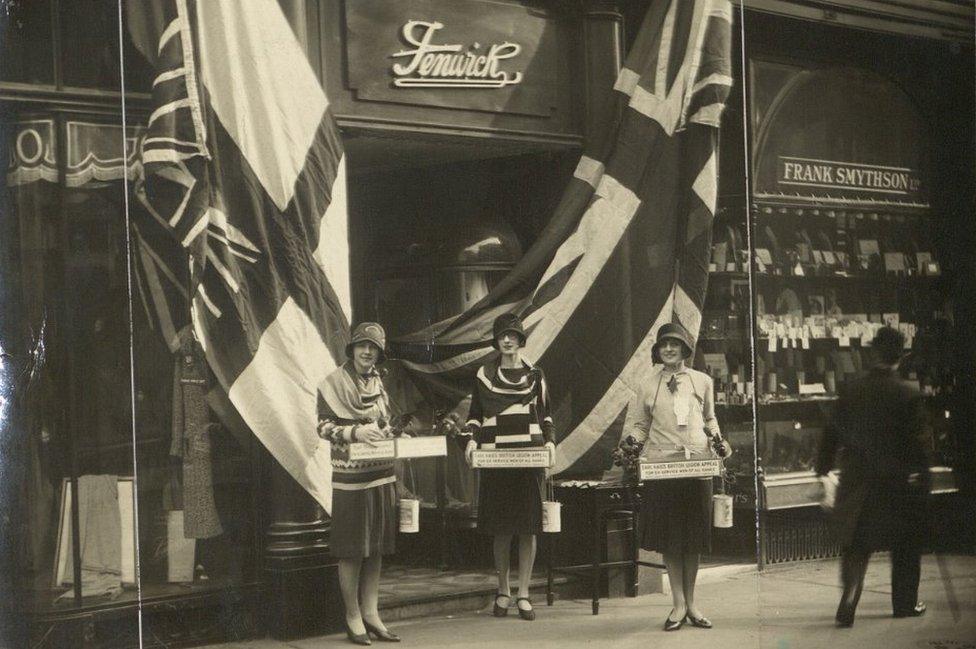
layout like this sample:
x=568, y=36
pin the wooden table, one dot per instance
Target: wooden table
x=585, y=512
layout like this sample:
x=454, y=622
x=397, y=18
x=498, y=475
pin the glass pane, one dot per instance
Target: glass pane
x=69, y=257
x=26, y=42
x=90, y=48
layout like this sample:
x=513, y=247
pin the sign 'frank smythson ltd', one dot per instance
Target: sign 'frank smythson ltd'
x=830, y=174
x=429, y=65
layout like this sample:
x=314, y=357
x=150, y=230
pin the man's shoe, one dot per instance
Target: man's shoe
x=845, y=616
x=918, y=611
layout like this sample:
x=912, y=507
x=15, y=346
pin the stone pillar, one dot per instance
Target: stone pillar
x=303, y=585
x=602, y=59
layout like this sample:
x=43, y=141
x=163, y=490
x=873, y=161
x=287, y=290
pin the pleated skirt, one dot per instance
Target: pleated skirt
x=364, y=523
x=676, y=515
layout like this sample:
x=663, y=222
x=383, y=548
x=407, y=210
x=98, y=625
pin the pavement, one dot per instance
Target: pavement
x=788, y=606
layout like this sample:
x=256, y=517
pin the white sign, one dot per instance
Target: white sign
x=680, y=469
x=510, y=458
x=449, y=66
x=434, y=446
x=381, y=450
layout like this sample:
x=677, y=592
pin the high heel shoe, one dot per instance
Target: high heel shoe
x=501, y=611
x=700, y=622
x=383, y=636
x=527, y=614
x=673, y=625
x=360, y=639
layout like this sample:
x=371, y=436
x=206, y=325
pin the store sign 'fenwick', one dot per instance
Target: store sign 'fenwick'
x=448, y=66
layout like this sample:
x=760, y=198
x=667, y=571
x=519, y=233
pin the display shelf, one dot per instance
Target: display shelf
x=794, y=489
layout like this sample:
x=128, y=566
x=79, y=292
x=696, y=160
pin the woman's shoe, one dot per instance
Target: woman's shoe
x=501, y=611
x=672, y=625
x=525, y=613
x=701, y=622
x=361, y=639
x=382, y=636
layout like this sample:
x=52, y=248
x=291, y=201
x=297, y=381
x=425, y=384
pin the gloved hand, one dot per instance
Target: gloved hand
x=369, y=433
x=324, y=429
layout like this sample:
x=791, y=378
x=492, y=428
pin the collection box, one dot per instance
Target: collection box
x=400, y=447
x=522, y=458
x=433, y=446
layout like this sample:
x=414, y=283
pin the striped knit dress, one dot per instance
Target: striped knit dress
x=510, y=409
x=364, y=513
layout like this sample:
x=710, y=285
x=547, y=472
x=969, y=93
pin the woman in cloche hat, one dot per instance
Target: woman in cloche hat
x=510, y=408
x=673, y=412
x=355, y=408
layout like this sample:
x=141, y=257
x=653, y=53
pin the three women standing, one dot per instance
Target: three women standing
x=355, y=408
x=675, y=412
x=510, y=409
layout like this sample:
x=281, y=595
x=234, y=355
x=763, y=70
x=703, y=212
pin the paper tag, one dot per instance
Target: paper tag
x=798, y=270
x=844, y=341
x=730, y=267
x=772, y=343
x=812, y=388
x=712, y=267
x=829, y=257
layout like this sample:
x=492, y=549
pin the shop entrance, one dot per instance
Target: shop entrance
x=435, y=224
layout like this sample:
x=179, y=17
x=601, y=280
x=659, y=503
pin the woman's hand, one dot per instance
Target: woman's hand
x=325, y=429
x=469, y=449
x=368, y=433
x=551, y=447
x=723, y=449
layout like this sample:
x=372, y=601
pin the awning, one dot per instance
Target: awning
x=94, y=151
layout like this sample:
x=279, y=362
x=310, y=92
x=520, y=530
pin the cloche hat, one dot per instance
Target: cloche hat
x=673, y=331
x=504, y=323
x=368, y=332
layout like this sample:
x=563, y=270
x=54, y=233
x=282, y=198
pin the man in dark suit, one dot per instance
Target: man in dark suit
x=876, y=434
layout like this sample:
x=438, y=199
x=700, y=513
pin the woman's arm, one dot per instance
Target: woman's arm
x=708, y=410
x=475, y=414
x=545, y=418
x=641, y=426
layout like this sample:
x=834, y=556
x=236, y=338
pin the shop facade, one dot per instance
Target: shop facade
x=455, y=162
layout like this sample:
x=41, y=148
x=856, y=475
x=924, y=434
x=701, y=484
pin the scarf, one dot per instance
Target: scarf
x=353, y=398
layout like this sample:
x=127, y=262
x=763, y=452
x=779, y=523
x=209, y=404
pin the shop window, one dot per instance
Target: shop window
x=26, y=42
x=105, y=392
x=91, y=27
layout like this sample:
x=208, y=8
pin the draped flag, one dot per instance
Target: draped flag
x=627, y=248
x=242, y=234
